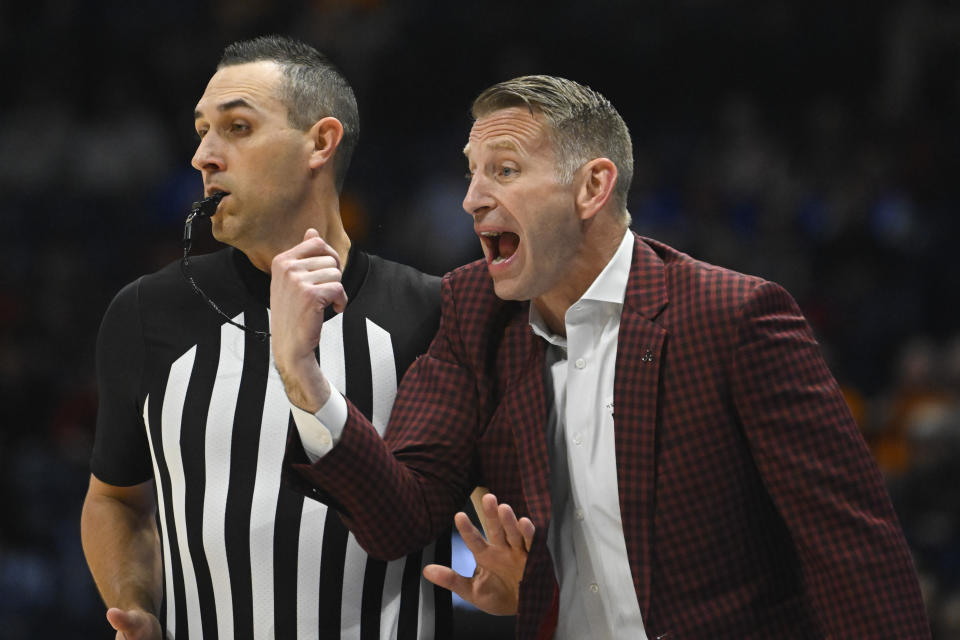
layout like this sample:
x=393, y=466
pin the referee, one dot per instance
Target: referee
x=186, y=527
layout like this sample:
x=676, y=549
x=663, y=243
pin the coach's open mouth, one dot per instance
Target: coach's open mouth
x=499, y=246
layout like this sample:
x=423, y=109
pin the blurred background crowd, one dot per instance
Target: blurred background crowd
x=813, y=143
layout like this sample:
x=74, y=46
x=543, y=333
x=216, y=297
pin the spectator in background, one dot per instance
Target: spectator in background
x=920, y=391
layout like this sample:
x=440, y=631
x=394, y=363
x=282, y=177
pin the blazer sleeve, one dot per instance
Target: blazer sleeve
x=858, y=573
x=398, y=493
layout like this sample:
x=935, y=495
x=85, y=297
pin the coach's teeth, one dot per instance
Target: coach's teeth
x=498, y=260
x=490, y=234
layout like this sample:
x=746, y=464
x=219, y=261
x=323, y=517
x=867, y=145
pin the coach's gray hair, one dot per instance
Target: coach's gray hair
x=583, y=125
x=313, y=89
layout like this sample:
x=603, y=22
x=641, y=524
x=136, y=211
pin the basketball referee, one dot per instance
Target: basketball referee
x=186, y=527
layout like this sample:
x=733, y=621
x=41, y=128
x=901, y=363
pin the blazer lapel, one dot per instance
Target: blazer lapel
x=640, y=351
x=525, y=401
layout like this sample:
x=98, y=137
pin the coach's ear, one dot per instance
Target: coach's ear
x=325, y=137
x=595, y=182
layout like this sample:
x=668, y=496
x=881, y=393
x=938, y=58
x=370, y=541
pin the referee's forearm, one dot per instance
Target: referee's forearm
x=122, y=549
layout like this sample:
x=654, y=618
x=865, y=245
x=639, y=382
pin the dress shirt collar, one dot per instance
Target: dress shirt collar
x=610, y=286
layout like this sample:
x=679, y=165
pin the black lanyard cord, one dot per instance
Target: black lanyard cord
x=206, y=208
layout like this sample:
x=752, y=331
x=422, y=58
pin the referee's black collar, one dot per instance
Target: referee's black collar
x=257, y=283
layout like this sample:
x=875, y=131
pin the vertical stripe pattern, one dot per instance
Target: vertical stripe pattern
x=383, y=376
x=170, y=607
x=171, y=417
x=244, y=557
x=193, y=432
x=390, y=608
x=308, y=586
x=223, y=403
x=273, y=437
x=354, y=569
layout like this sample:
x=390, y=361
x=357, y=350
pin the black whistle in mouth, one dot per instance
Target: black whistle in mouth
x=208, y=206
x=200, y=209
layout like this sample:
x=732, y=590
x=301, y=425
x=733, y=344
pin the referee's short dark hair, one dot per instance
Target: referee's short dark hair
x=313, y=88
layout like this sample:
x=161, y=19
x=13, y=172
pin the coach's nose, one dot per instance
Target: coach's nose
x=478, y=199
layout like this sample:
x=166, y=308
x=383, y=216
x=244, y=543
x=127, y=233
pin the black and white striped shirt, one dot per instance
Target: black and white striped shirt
x=197, y=405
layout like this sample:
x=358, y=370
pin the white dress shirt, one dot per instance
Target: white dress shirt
x=315, y=434
x=597, y=596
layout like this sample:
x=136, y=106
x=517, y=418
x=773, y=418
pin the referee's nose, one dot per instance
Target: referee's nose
x=209, y=155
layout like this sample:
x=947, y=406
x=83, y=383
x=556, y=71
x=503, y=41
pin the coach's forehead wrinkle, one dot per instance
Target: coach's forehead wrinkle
x=512, y=128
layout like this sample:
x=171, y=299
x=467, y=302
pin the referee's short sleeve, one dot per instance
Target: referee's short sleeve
x=121, y=453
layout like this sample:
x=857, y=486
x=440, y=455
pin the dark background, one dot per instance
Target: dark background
x=813, y=143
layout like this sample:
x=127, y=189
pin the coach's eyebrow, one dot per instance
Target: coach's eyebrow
x=503, y=145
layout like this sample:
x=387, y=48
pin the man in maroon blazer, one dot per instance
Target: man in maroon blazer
x=669, y=426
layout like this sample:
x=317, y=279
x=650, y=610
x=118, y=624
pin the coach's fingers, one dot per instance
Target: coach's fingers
x=510, y=526
x=449, y=579
x=324, y=264
x=339, y=298
x=495, y=534
x=472, y=537
x=527, y=530
x=311, y=245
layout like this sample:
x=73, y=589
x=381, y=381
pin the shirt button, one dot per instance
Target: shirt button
x=577, y=438
x=594, y=588
x=580, y=363
x=578, y=514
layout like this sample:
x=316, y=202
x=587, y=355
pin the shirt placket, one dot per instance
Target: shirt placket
x=582, y=380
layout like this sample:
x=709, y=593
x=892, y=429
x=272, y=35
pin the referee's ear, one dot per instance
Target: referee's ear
x=325, y=136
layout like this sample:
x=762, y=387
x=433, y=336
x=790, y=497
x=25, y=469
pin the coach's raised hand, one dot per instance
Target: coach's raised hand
x=305, y=280
x=501, y=558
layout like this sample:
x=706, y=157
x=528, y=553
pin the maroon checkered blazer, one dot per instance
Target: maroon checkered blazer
x=751, y=506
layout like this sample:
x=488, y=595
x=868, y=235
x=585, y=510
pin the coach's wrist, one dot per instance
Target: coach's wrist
x=305, y=384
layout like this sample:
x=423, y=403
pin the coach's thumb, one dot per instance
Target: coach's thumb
x=311, y=233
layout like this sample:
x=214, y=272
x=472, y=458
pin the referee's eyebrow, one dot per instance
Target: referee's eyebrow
x=226, y=106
